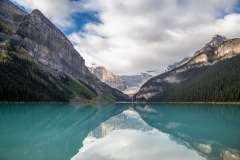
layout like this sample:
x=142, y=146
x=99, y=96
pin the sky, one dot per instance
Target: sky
x=135, y=36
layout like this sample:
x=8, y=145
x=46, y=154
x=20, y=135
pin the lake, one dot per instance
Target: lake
x=119, y=132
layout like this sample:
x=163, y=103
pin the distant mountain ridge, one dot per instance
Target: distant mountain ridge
x=204, y=54
x=134, y=82
x=128, y=84
x=108, y=77
x=216, y=41
x=211, y=74
x=34, y=39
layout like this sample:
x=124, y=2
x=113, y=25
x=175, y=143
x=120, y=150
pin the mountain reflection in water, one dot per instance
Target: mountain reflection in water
x=212, y=130
x=127, y=136
x=166, y=132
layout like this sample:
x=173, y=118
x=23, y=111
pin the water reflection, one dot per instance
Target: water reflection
x=48, y=131
x=213, y=131
x=127, y=137
x=119, y=131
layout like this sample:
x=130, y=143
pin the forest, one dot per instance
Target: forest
x=217, y=83
x=23, y=80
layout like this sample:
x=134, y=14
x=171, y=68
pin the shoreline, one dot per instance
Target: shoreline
x=236, y=103
x=233, y=103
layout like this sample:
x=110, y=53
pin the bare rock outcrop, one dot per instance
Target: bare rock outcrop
x=49, y=46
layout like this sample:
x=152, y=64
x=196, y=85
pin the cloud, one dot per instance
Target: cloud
x=60, y=12
x=135, y=36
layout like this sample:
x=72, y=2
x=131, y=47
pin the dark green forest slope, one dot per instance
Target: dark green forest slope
x=217, y=83
x=23, y=80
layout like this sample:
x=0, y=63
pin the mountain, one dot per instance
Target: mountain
x=37, y=60
x=213, y=44
x=134, y=82
x=128, y=84
x=212, y=74
x=108, y=77
x=208, y=48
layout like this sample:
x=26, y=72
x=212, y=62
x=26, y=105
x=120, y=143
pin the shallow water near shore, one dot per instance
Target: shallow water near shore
x=119, y=131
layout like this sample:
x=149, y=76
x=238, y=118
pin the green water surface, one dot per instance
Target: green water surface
x=119, y=132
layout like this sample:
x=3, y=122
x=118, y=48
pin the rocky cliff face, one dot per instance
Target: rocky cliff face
x=218, y=49
x=49, y=46
x=46, y=44
x=11, y=15
x=44, y=41
x=228, y=49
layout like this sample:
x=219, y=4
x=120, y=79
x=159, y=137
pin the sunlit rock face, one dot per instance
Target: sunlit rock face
x=229, y=49
x=127, y=136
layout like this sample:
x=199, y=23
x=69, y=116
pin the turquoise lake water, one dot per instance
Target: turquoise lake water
x=119, y=132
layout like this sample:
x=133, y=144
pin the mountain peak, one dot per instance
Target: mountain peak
x=218, y=35
x=36, y=11
x=216, y=41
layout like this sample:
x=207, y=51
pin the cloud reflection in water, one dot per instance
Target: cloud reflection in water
x=127, y=137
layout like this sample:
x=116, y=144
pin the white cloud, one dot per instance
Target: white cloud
x=140, y=35
x=60, y=12
x=136, y=36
